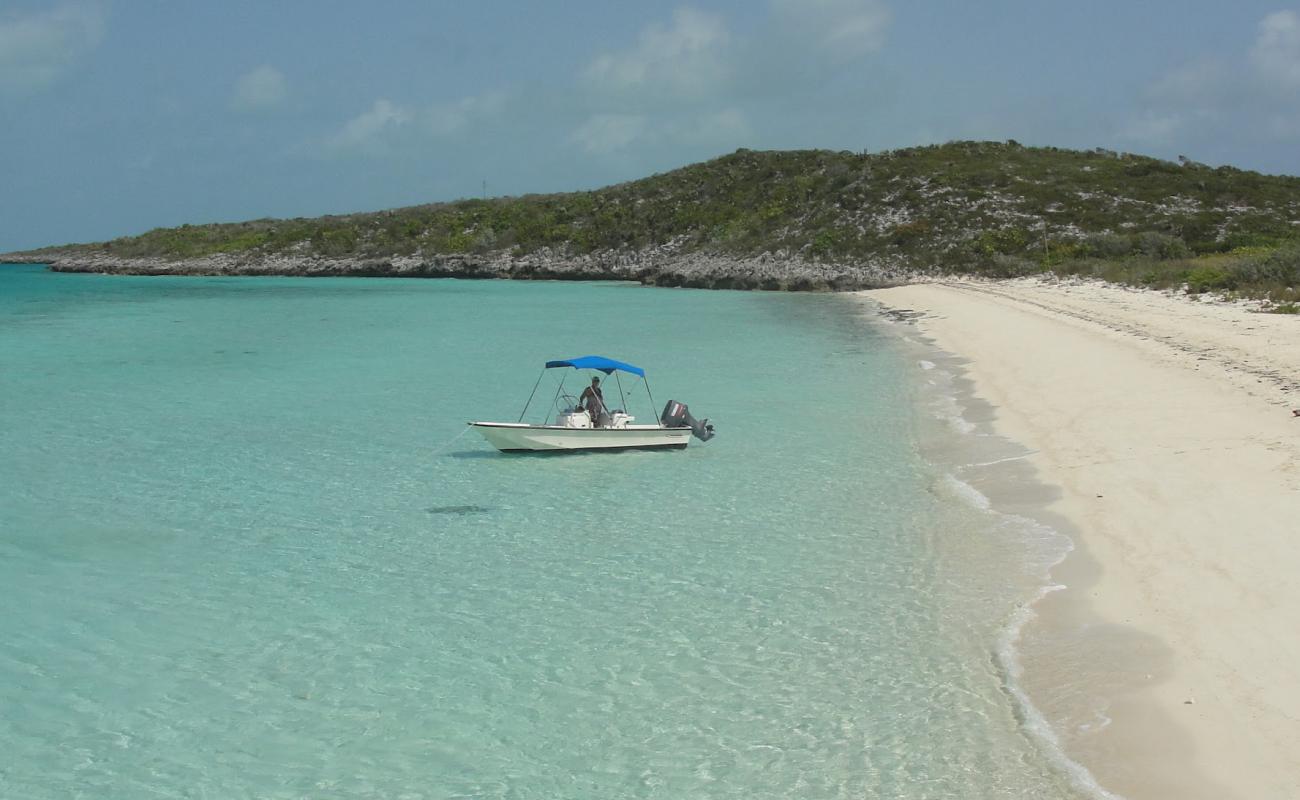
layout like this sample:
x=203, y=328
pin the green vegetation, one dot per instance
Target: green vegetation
x=1271, y=273
x=997, y=209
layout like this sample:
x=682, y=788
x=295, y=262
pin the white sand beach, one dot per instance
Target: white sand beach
x=1165, y=424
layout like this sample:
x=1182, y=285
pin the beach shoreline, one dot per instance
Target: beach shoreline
x=1155, y=431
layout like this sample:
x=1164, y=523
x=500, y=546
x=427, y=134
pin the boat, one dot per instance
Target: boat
x=574, y=429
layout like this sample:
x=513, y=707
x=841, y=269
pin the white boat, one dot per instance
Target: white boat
x=574, y=429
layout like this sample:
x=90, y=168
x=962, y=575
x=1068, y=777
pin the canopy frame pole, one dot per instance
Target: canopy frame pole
x=622, y=397
x=556, y=399
x=650, y=394
x=530, y=394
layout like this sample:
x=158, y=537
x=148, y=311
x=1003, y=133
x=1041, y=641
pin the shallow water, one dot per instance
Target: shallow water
x=243, y=554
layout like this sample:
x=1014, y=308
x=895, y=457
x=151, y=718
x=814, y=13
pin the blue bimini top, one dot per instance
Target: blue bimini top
x=605, y=365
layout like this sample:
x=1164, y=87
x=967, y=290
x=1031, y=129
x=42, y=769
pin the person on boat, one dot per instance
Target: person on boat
x=594, y=402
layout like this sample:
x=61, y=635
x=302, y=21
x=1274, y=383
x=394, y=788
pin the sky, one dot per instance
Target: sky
x=120, y=116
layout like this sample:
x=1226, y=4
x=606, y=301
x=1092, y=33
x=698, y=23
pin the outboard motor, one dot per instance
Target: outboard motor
x=677, y=415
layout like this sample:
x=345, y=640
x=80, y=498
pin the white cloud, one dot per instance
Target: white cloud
x=1191, y=96
x=1154, y=128
x=1250, y=93
x=1276, y=54
x=260, y=88
x=1200, y=83
x=38, y=49
x=729, y=128
x=685, y=83
x=685, y=59
x=446, y=119
x=665, y=88
x=602, y=134
x=694, y=57
x=843, y=28
x=605, y=133
x=366, y=131
x=388, y=128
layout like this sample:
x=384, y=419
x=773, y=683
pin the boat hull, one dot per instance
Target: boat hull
x=516, y=437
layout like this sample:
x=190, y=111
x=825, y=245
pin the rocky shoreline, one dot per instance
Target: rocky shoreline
x=775, y=272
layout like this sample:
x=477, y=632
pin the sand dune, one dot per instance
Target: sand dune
x=1166, y=424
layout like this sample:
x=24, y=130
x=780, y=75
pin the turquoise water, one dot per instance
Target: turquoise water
x=236, y=563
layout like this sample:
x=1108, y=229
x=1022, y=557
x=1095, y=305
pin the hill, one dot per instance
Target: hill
x=797, y=219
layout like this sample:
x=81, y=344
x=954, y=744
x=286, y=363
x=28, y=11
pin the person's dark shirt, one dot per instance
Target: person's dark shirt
x=592, y=399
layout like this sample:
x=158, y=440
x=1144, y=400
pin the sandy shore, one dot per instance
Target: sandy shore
x=1164, y=426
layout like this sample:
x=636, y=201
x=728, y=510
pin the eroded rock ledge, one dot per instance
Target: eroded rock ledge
x=696, y=270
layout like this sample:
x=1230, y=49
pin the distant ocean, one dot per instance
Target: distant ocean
x=243, y=555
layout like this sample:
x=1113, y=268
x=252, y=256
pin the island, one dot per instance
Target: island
x=794, y=220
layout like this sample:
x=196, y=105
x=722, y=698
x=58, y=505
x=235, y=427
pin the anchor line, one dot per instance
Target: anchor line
x=449, y=442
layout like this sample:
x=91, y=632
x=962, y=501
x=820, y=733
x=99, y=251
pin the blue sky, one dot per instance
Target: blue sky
x=117, y=117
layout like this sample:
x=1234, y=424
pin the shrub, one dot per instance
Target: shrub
x=484, y=240
x=910, y=231
x=335, y=241
x=1207, y=279
x=1280, y=267
x=1004, y=242
x=1248, y=239
x=1163, y=246
x=824, y=243
x=1107, y=245
x=1059, y=252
